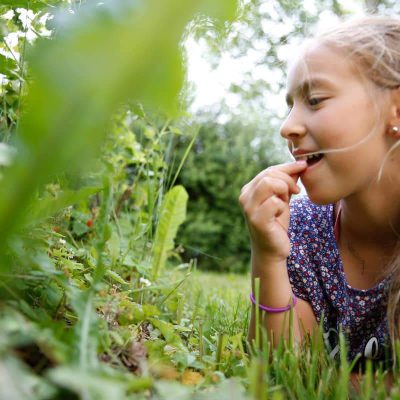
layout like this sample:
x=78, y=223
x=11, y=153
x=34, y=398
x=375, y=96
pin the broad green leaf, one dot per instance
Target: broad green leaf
x=172, y=215
x=7, y=64
x=79, y=228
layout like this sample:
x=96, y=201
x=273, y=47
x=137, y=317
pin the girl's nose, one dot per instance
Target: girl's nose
x=293, y=126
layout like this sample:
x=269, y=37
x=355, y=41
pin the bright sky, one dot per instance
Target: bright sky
x=212, y=84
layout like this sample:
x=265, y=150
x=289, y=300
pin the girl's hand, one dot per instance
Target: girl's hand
x=265, y=202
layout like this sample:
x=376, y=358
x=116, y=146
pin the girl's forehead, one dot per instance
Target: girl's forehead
x=318, y=61
x=313, y=58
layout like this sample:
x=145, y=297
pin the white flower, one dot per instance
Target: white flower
x=8, y=15
x=26, y=17
x=145, y=281
x=62, y=241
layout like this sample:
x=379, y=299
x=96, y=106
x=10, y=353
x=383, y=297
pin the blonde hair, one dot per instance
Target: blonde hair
x=372, y=44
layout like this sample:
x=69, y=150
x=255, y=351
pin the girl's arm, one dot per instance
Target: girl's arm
x=276, y=291
x=265, y=202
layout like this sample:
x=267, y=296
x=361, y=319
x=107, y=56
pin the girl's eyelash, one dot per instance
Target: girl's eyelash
x=314, y=101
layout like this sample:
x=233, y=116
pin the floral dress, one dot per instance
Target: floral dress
x=316, y=275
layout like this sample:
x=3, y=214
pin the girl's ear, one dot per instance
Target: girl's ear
x=394, y=121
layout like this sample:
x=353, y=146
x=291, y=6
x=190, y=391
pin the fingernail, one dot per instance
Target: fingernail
x=301, y=162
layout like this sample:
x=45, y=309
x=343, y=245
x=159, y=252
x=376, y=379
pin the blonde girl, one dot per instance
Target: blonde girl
x=327, y=254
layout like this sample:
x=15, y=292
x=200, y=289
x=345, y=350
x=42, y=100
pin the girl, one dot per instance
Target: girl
x=327, y=255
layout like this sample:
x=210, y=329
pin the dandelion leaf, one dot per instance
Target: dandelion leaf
x=173, y=213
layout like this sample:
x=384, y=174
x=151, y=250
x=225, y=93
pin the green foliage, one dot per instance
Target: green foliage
x=95, y=302
x=224, y=158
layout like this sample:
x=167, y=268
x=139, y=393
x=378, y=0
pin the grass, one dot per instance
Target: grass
x=216, y=311
x=180, y=337
x=220, y=302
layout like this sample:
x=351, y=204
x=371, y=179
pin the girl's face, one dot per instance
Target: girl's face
x=331, y=107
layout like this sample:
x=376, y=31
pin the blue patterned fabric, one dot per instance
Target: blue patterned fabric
x=316, y=275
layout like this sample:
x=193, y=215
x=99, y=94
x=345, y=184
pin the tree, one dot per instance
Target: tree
x=223, y=159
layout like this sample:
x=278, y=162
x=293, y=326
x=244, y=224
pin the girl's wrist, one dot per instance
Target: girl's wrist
x=275, y=310
x=265, y=256
x=265, y=263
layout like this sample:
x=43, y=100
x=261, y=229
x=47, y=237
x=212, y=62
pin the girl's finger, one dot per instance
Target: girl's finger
x=269, y=210
x=290, y=180
x=288, y=172
x=292, y=169
x=267, y=187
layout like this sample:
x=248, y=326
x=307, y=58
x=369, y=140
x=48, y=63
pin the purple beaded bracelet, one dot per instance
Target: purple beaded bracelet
x=274, y=310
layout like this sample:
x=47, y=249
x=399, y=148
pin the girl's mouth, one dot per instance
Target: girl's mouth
x=311, y=159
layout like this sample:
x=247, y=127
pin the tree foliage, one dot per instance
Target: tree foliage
x=223, y=159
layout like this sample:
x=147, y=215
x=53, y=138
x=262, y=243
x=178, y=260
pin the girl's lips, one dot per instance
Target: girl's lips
x=312, y=166
x=309, y=157
x=303, y=154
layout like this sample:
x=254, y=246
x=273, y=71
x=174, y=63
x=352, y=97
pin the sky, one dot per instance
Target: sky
x=211, y=85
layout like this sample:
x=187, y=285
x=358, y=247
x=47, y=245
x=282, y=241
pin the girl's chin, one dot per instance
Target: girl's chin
x=320, y=202
x=321, y=199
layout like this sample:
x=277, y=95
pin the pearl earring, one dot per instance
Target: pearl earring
x=395, y=129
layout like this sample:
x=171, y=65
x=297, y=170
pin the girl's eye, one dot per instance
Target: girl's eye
x=314, y=101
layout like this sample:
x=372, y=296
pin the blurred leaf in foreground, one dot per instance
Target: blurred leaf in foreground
x=102, y=56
